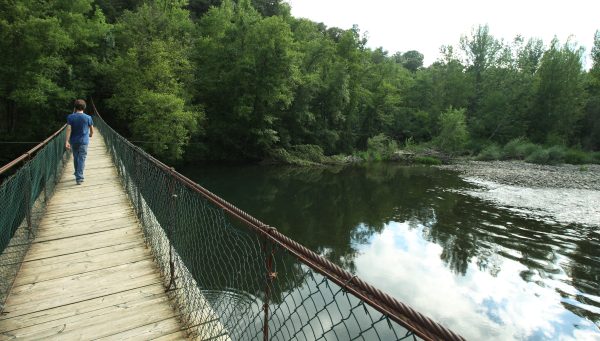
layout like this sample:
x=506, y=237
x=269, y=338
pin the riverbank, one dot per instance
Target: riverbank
x=520, y=173
x=563, y=194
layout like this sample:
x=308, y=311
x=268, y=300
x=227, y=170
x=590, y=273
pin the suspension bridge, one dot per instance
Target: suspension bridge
x=140, y=252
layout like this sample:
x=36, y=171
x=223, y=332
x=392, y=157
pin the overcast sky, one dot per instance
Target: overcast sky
x=425, y=25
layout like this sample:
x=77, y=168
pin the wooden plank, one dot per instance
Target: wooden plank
x=47, y=233
x=65, y=312
x=89, y=274
x=77, y=200
x=179, y=335
x=94, y=325
x=86, y=212
x=84, y=255
x=34, y=274
x=55, y=248
x=28, y=300
x=66, y=221
x=168, y=329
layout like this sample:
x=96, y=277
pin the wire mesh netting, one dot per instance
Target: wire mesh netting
x=23, y=198
x=231, y=279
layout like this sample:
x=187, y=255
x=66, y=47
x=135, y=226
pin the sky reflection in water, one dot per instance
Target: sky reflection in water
x=478, y=304
x=483, y=271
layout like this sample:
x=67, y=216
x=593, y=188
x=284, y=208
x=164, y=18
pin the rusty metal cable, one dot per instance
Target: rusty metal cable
x=305, y=296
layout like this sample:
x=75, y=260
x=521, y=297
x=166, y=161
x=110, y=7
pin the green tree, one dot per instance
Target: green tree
x=482, y=51
x=411, y=60
x=559, y=95
x=247, y=69
x=453, y=136
x=151, y=75
x=49, y=56
x=590, y=132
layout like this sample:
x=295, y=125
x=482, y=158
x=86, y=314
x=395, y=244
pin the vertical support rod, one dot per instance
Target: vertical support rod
x=268, y=249
x=50, y=146
x=28, y=190
x=138, y=186
x=171, y=229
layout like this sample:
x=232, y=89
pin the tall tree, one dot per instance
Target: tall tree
x=559, y=95
x=151, y=76
x=247, y=72
x=49, y=56
x=590, y=132
x=482, y=51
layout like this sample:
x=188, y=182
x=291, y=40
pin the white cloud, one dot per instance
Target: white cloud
x=477, y=305
x=428, y=24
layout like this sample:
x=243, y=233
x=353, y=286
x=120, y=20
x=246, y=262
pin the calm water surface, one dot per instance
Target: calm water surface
x=483, y=271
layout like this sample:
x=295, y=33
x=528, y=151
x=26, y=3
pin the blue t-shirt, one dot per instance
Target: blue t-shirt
x=80, y=128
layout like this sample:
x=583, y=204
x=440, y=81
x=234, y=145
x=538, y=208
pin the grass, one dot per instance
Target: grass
x=428, y=160
x=522, y=149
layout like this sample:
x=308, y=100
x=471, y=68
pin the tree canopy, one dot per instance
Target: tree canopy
x=242, y=79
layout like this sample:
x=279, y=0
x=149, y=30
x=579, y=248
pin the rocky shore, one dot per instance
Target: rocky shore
x=564, y=194
x=520, y=173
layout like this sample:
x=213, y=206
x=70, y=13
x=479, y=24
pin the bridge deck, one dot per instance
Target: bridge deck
x=88, y=273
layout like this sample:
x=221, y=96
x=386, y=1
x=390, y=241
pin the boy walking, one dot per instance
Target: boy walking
x=80, y=128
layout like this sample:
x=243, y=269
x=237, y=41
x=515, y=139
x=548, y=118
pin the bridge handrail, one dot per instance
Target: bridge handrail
x=26, y=184
x=421, y=325
x=27, y=155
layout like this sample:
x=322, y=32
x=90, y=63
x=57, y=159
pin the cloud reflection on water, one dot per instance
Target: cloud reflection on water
x=477, y=305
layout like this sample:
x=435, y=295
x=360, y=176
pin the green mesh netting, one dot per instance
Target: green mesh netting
x=23, y=197
x=228, y=281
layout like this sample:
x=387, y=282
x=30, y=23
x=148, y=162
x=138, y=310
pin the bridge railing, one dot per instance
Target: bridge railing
x=236, y=278
x=26, y=184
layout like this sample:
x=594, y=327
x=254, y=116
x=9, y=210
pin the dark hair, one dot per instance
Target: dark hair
x=79, y=104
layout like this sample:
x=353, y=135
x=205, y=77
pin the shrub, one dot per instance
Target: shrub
x=577, y=157
x=539, y=156
x=381, y=147
x=428, y=160
x=518, y=148
x=453, y=135
x=310, y=152
x=491, y=152
x=596, y=157
x=556, y=154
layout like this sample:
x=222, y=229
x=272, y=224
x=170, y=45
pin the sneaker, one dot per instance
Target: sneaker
x=79, y=182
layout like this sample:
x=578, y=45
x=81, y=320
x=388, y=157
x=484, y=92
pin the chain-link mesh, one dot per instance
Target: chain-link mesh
x=23, y=197
x=234, y=278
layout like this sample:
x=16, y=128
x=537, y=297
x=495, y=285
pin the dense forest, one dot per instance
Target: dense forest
x=245, y=80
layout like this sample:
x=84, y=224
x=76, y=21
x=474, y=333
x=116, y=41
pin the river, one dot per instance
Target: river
x=485, y=271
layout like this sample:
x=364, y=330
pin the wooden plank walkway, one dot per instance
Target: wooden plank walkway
x=88, y=273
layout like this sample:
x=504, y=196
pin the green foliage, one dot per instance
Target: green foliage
x=150, y=77
x=308, y=152
x=453, y=136
x=556, y=154
x=428, y=160
x=50, y=52
x=538, y=155
x=577, y=157
x=519, y=148
x=489, y=153
x=246, y=72
x=162, y=120
x=559, y=96
x=243, y=79
x=381, y=147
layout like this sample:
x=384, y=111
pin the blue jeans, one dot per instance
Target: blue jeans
x=79, y=154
